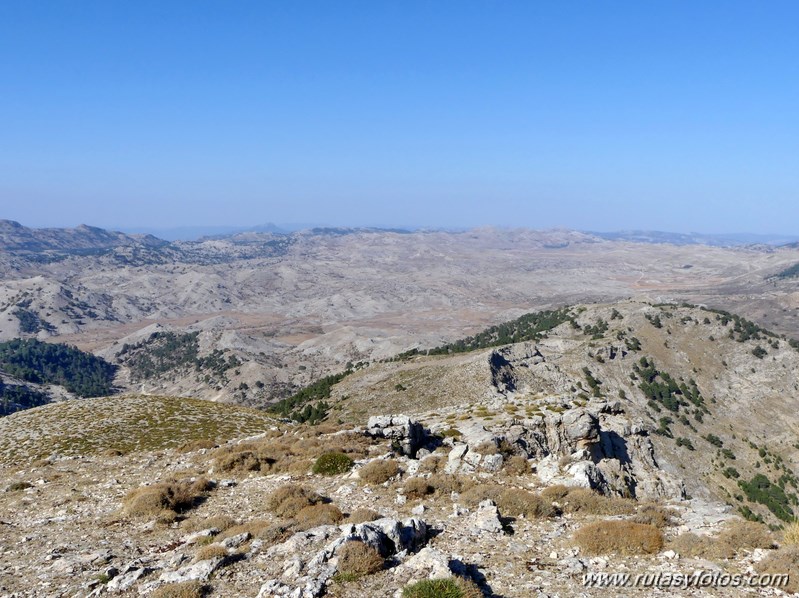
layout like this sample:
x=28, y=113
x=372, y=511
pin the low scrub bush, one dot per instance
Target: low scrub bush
x=782, y=561
x=379, y=471
x=186, y=589
x=432, y=464
x=357, y=558
x=736, y=537
x=219, y=522
x=418, y=488
x=555, y=493
x=210, y=551
x=516, y=465
x=17, y=486
x=363, y=515
x=196, y=445
x=332, y=464
x=318, y=514
x=453, y=587
x=586, y=501
x=290, y=499
x=446, y=483
x=745, y=535
x=290, y=453
x=164, y=500
x=622, y=537
x=656, y=515
x=513, y=502
x=270, y=532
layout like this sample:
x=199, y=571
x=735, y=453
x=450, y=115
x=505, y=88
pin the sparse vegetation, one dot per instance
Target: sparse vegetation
x=357, y=558
x=17, y=486
x=417, y=488
x=782, y=561
x=622, y=537
x=379, y=471
x=165, y=500
x=529, y=327
x=210, y=551
x=186, y=589
x=363, y=515
x=736, y=537
x=318, y=514
x=453, y=587
x=332, y=464
x=290, y=499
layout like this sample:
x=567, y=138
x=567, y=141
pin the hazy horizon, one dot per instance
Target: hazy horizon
x=189, y=233
x=606, y=117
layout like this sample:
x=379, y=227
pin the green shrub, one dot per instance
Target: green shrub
x=454, y=587
x=332, y=464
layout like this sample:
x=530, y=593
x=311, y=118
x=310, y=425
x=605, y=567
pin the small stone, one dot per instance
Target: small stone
x=236, y=541
x=418, y=510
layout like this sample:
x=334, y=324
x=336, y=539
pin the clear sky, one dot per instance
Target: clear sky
x=600, y=115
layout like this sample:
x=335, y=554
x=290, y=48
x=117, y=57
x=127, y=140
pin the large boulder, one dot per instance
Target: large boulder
x=407, y=434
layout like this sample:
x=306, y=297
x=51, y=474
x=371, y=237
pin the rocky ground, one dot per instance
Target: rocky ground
x=67, y=528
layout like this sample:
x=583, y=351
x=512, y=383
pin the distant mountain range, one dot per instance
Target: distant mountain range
x=15, y=237
x=715, y=240
x=193, y=233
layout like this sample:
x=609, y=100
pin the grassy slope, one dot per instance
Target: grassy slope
x=125, y=423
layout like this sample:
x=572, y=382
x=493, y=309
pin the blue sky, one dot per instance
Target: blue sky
x=668, y=115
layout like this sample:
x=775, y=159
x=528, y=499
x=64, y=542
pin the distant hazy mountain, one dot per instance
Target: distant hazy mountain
x=719, y=240
x=193, y=233
x=16, y=237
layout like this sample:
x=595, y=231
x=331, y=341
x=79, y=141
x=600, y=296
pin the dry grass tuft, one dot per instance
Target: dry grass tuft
x=164, y=500
x=186, y=589
x=623, y=537
x=290, y=499
x=652, y=514
x=358, y=558
x=453, y=587
x=790, y=533
x=270, y=532
x=585, y=501
x=17, y=486
x=781, y=562
x=555, y=493
x=210, y=551
x=432, y=464
x=516, y=465
x=379, y=471
x=691, y=545
x=513, y=502
x=363, y=515
x=289, y=453
x=445, y=483
x=418, y=488
x=196, y=445
x=220, y=522
x=740, y=535
x=318, y=514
